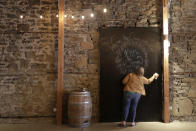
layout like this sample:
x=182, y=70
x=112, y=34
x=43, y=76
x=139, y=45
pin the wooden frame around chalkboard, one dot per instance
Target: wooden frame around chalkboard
x=165, y=42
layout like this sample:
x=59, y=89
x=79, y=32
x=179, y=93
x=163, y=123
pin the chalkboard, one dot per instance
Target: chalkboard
x=122, y=51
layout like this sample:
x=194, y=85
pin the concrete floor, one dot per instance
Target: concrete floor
x=141, y=126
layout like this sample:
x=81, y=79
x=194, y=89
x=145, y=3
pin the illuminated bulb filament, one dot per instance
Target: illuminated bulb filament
x=57, y=15
x=41, y=16
x=72, y=17
x=104, y=10
x=92, y=15
x=65, y=16
x=82, y=17
x=21, y=16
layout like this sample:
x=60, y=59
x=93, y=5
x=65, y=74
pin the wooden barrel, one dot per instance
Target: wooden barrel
x=79, y=109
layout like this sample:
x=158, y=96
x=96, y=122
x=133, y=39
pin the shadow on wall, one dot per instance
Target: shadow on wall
x=65, y=106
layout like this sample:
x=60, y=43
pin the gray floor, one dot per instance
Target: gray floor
x=142, y=126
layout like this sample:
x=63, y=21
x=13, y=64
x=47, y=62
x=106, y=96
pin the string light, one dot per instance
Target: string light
x=92, y=15
x=21, y=16
x=104, y=10
x=66, y=16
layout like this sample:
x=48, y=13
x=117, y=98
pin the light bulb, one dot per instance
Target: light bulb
x=57, y=15
x=21, y=16
x=104, y=10
x=65, y=16
x=41, y=17
x=72, y=17
x=92, y=15
x=83, y=17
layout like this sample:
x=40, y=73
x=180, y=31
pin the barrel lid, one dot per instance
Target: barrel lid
x=82, y=91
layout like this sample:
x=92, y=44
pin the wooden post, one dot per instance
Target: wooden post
x=60, y=60
x=166, y=61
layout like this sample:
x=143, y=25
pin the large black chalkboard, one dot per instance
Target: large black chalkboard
x=121, y=52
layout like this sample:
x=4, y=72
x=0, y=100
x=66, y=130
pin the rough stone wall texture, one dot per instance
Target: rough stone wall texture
x=183, y=59
x=28, y=60
x=82, y=36
x=28, y=49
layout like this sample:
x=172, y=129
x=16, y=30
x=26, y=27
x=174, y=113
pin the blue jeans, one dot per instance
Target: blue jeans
x=130, y=98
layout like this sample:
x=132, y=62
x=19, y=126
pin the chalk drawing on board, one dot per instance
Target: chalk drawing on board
x=130, y=55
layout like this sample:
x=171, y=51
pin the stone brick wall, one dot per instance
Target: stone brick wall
x=28, y=48
x=183, y=59
x=28, y=60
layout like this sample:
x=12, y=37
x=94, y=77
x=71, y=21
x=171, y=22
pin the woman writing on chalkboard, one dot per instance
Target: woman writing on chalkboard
x=133, y=89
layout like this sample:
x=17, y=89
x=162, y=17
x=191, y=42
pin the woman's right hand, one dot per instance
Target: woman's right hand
x=156, y=75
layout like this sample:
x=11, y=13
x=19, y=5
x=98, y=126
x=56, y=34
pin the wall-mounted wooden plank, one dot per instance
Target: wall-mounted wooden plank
x=60, y=60
x=166, y=61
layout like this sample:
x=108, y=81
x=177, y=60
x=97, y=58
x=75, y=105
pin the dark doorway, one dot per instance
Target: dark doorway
x=121, y=52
